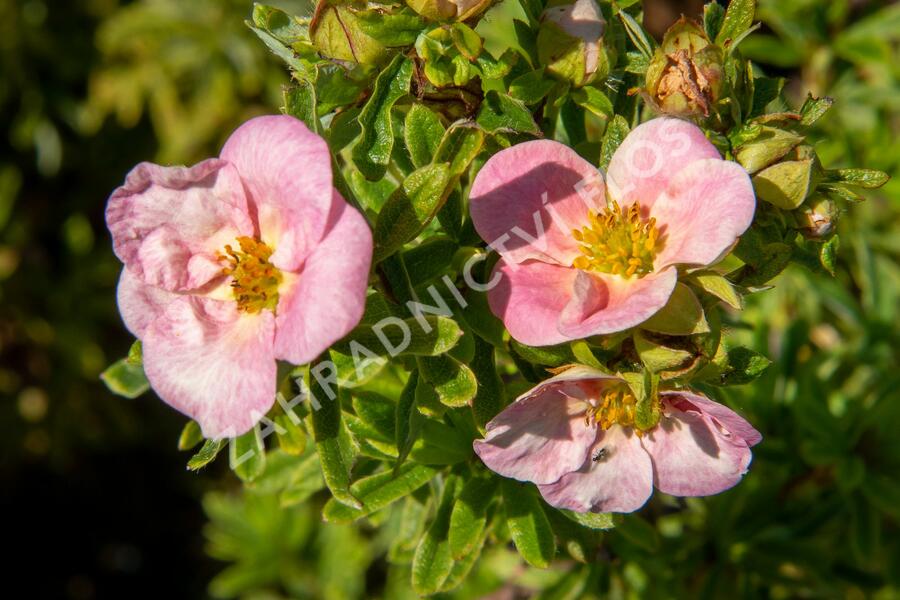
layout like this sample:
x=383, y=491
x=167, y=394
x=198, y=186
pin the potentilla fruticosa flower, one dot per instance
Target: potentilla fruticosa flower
x=574, y=436
x=235, y=263
x=581, y=256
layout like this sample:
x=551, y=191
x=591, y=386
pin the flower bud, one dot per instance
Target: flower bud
x=447, y=52
x=570, y=42
x=685, y=75
x=817, y=218
x=336, y=34
x=449, y=10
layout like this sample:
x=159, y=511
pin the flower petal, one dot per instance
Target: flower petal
x=212, y=363
x=140, y=304
x=168, y=224
x=621, y=480
x=328, y=297
x=727, y=418
x=525, y=201
x=604, y=304
x=287, y=172
x=651, y=155
x=703, y=211
x=692, y=456
x=538, y=438
x=529, y=299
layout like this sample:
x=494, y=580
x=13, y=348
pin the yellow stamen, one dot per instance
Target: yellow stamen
x=255, y=280
x=618, y=241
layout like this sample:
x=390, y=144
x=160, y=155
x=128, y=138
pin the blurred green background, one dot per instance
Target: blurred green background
x=98, y=501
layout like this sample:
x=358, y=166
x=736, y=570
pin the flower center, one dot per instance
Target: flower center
x=615, y=406
x=255, y=280
x=618, y=241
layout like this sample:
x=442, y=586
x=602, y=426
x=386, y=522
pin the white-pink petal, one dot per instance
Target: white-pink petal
x=140, y=304
x=651, y=155
x=727, y=418
x=703, y=211
x=327, y=299
x=619, y=480
x=527, y=199
x=213, y=363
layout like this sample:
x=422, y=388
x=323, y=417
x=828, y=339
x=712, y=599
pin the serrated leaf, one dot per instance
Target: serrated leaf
x=378, y=491
x=469, y=517
x=410, y=208
x=501, y=113
x=206, y=455
x=372, y=152
x=528, y=525
x=433, y=562
x=422, y=131
x=454, y=382
x=125, y=379
x=682, y=315
x=247, y=455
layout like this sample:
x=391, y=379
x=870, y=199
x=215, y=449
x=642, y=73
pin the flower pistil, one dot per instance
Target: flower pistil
x=618, y=241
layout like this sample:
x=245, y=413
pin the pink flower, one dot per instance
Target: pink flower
x=235, y=263
x=573, y=436
x=580, y=257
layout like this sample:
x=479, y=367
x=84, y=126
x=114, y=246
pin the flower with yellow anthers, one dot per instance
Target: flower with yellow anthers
x=235, y=263
x=583, y=254
x=574, y=435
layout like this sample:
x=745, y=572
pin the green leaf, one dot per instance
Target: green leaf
x=292, y=438
x=865, y=178
x=430, y=259
x=466, y=40
x=125, y=379
x=769, y=146
x=644, y=386
x=206, y=454
x=422, y=131
x=459, y=146
x=551, y=356
x=136, y=354
x=503, y=113
x=613, y=136
x=433, y=561
x=584, y=355
x=408, y=419
x=828, y=254
x=326, y=429
x=743, y=365
x=639, y=532
x=279, y=47
x=738, y=19
x=468, y=520
x=639, y=37
x=305, y=480
x=531, y=87
x=378, y=491
x=300, y=102
x=682, y=315
x=393, y=336
x=247, y=455
x=715, y=284
x=488, y=399
x=440, y=444
x=658, y=357
x=453, y=381
x=190, y=436
x=785, y=184
x=593, y=100
x=378, y=412
x=602, y=521
x=391, y=29
x=528, y=525
x=409, y=210
x=372, y=152
x=814, y=108
x=713, y=15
